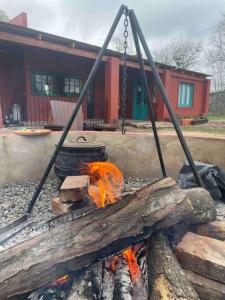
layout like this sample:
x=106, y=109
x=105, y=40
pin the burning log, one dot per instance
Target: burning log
x=165, y=276
x=100, y=233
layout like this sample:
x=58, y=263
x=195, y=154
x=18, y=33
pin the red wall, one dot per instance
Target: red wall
x=171, y=80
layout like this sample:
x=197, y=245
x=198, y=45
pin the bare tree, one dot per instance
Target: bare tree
x=215, y=55
x=3, y=16
x=183, y=52
x=117, y=44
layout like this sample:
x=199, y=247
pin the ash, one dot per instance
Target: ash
x=14, y=199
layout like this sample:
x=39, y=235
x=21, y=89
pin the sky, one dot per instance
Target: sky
x=90, y=20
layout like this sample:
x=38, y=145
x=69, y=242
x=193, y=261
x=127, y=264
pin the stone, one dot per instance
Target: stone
x=206, y=288
x=74, y=188
x=203, y=255
x=60, y=208
x=215, y=229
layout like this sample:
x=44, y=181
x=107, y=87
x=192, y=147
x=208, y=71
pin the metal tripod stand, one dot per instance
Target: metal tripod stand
x=138, y=36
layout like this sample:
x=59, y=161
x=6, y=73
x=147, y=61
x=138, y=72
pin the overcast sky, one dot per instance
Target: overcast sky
x=89, y=20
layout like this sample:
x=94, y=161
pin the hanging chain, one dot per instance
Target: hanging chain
x=124, y=74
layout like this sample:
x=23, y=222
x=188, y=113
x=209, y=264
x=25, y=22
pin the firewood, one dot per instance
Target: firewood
x=206, y=288
x=74, y=188
x=165, y=276
x=60, y=208
x=99, y=234
x=214, y=230
x=203, y=255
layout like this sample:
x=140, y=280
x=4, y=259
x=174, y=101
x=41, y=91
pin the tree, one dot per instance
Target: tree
x=183, y=53
x=3, y=16
x=215, y=55
x=117, y=44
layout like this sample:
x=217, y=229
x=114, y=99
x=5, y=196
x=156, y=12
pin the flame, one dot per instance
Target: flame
x=106, y=182
x=106, y=186
x=134, y=268
x=61, y=280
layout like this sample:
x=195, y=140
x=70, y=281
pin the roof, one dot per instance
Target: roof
x=56, y=39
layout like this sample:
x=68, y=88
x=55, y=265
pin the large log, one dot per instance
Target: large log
x=206, y=288
x=100, y=233
x=165, y=276
x=203, y=255
x=214, y=230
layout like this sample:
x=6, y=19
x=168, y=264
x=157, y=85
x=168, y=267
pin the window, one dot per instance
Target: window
x=186, y=92
x=72, y=85
x=55, y=84
x=42, y=84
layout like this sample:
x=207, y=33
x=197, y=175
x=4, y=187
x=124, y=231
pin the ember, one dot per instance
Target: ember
x=61, y=280
x=107, y=182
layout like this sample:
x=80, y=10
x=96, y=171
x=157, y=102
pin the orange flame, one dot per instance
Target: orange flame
x=106, y=182
x=61, y=280
x=106, y=186
x=134, y=268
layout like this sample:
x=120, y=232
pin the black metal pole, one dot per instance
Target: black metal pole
x=145, y=84
x=162, y=90
x=79, y=102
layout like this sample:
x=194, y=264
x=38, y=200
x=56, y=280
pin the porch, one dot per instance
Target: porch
x=30, y=78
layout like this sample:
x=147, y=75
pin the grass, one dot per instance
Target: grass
x=200, y=129
x=216, y=117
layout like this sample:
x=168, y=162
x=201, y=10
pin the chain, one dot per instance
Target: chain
x=124, y=74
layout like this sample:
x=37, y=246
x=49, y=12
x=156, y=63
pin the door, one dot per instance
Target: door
x=140, y=104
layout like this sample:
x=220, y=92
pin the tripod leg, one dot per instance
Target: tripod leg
x=73, y=116
x=158, y=80
x=145, y=83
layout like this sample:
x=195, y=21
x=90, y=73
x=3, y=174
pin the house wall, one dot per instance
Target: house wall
x=53, y=62
x=171, y=80
x=12, y=75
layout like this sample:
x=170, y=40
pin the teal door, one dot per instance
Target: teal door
x=140, y=104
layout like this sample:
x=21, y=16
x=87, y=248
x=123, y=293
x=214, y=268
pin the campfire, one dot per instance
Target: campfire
x=105, y=243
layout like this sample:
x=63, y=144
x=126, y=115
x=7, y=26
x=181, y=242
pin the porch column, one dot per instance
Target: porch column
x=1, y=116
x=112, y=75
x=205, y=101
x=162, y=113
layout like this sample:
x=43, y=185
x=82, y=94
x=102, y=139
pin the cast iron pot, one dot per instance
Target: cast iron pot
x=74, y=154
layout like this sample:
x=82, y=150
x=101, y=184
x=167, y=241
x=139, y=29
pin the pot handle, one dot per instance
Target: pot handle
x=81, y=137
x=103, y=155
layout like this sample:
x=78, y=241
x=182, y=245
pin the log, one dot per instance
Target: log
x=206, y=288
x=166, y=279
x=214, y=230
x=98, y=234
x=203, y=255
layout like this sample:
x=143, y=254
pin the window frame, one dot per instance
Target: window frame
x=186, y=103
x=76, y=77
x=56, y=92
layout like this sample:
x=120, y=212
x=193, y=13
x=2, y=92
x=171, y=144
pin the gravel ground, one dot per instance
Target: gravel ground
x=14, y=199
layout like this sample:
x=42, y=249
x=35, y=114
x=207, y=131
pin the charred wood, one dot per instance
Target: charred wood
x=166, y=278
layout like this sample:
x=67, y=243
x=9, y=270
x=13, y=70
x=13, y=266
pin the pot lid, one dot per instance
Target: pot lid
x=81, y=142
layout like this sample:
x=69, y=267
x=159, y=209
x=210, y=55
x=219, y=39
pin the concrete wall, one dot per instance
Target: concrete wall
x=24, y=158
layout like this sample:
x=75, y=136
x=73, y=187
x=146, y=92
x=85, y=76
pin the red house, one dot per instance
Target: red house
x=37, y=67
